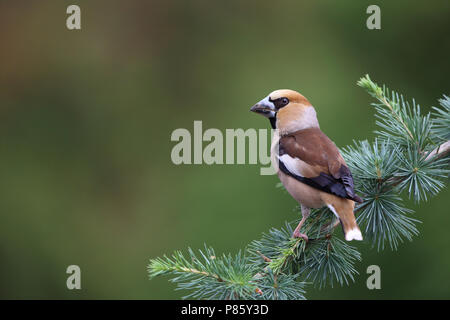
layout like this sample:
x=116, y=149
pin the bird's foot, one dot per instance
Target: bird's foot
x=298, y=234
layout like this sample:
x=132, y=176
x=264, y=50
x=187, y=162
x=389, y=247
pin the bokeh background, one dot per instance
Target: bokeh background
x=86, y=117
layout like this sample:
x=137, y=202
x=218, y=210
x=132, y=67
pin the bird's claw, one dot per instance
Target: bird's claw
x=298, y=234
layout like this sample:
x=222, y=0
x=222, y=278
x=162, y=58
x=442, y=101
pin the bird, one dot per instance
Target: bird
x=307, y=162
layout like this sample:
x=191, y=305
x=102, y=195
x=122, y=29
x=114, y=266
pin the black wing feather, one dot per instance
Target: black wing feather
x=342, y=187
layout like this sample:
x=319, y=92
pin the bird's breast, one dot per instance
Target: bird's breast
x=304, y=194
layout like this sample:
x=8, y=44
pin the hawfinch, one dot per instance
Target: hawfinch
x=307, y=162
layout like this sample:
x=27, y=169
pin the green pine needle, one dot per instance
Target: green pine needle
x=441, y=122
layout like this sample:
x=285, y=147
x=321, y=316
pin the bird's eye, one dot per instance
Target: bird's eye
x=280, y=102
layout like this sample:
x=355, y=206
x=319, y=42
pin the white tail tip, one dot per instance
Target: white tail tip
x=353, y=234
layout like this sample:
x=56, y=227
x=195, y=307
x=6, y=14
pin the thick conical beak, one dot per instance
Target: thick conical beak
x=264, y=108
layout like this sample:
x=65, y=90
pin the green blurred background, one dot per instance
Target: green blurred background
x=86, y=118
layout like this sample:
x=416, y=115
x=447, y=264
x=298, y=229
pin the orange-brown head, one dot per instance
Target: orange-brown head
x=287, y=110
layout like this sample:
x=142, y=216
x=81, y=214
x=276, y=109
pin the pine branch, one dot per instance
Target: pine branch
x=208, y=276
x=225, y=277
x=392, y=105
x=280, y=286
x=398, y=161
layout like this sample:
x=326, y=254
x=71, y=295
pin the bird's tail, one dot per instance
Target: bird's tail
x=349, y=225
x=343, y=209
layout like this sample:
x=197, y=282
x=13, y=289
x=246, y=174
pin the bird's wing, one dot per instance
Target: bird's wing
x=312, y=158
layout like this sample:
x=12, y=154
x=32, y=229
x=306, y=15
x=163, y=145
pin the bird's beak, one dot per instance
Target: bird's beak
x=264, y=108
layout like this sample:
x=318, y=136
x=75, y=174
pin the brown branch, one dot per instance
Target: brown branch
x=203, y=273
x=264, y=257
x=440, y=152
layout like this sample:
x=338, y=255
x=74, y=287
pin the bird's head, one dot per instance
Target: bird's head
x=287, y=110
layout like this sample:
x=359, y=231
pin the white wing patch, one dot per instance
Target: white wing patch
x=333, y=210
x=292, y=164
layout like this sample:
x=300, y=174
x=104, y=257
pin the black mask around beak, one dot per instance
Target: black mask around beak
x=267, y=109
